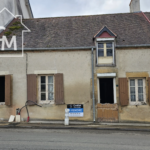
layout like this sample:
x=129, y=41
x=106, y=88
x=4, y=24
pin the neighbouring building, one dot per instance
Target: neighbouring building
x=16, y=7
x=56, y=69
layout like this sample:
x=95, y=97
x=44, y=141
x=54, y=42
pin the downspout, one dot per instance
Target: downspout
x=93, y=90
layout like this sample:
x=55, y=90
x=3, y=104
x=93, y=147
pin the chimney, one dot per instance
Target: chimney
x=134, y=6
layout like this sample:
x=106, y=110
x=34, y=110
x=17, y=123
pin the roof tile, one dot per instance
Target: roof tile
x=78, y=31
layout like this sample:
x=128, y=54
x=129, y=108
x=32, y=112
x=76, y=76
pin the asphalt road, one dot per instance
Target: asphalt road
x=34, y=139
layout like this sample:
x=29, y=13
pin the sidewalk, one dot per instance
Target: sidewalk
x=78, y=125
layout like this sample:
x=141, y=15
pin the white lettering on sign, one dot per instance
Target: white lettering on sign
x=9, y=45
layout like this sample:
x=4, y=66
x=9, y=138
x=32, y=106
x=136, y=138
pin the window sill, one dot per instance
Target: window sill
x=105, y=56
x=105, y=65
x=46, y=103
x=2, y=103
x=138, y=103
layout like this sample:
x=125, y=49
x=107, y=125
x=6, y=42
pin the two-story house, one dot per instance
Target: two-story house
x=99, y=61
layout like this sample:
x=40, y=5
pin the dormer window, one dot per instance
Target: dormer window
x=105, y=49
x=104, y=40
x=105, y=53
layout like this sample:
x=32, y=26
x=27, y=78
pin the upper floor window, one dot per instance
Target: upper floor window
x=105, y=53
x=105, y=50
x=104, y=40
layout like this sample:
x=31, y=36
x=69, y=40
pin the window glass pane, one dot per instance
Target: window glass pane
x=109, y=52
x=42, y=79
x=100, y=45
x=140, y=89
x=132, y=82
x=140, y=82
x=100, y=53
x=43, y=88
x=132, y=90
x=141, y=97
x=50, y=96
x=43, y=96
x=133, y=98
x=50, y=79
x=109, y=45
x=50, y=88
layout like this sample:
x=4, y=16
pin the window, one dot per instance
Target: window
x=137, y=91
x=2, y=89
x=5, y=90
x=46, y=93
x=105, y=49
x=105, y=53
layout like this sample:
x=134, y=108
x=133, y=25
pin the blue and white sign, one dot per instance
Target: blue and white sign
x=75, y=110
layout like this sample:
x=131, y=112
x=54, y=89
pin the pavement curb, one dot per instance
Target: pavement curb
x=75, y=128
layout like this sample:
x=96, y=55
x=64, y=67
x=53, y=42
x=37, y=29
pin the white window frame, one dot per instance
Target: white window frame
x=136, y=91
x=107, y=75
x=39, y=82
x=106, y=40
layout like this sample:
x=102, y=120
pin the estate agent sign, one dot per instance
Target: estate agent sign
x=75, y=110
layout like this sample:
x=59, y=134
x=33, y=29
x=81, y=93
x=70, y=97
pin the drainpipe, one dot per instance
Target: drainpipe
x=93, y=90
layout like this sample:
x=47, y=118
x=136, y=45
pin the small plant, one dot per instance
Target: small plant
x=16, y=23
x=7, y=33
x=12, y=28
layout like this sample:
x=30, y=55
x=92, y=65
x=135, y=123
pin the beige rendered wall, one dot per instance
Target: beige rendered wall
x=76, y=67
x=134, y=62
x=17, y=68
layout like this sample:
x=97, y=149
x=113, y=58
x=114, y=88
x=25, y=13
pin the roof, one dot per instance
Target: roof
x=148, y=15
x=105, y=29
x=78, y=31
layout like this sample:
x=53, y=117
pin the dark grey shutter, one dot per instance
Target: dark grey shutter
x=8, y=90
x=59, y=89
x=123, y=91
x=32, y=88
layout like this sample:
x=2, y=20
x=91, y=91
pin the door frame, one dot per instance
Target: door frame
x=107, y=75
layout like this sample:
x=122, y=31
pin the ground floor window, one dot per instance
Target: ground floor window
x=46, y=86
x=2, y=89
x=137, y=91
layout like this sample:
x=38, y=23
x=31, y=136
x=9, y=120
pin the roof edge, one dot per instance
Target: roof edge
x=132, y=46
x=53, y=48
x=77, y=48
x=29, y=8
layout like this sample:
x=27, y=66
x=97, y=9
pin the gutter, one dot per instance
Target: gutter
x=132, y=46
x=53, y=48
x=75, y=48
x=93, y=90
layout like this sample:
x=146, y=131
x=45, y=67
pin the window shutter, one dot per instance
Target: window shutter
x=59, y=89
x=123, y=91
x=149, y=91
x=32, y=88
x=8, y=90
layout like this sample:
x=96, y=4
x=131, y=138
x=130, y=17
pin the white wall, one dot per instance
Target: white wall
x=5, y=17
x=24, y=8
x=14, y=7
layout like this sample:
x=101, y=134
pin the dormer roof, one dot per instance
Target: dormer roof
x=105, y=32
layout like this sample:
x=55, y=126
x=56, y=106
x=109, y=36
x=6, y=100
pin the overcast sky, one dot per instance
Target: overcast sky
x=55, y=8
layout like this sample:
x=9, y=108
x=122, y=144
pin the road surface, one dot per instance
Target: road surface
x=34, y=139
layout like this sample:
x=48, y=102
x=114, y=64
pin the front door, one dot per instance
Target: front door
x=107, y=111
x=106, y=91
